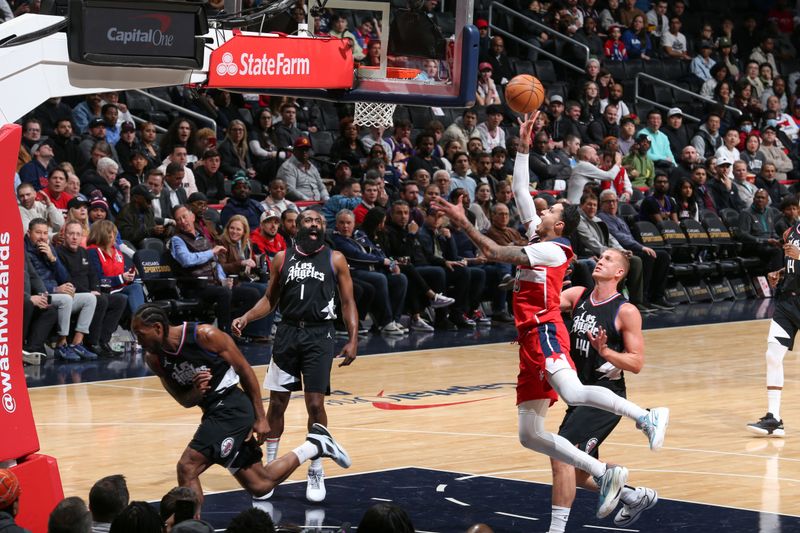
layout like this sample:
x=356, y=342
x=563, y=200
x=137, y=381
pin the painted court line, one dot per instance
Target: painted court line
x=441, y=488
x=457, y=502
x=516, y=516
x=610, y=528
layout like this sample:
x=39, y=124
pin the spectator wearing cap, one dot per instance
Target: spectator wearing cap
x=127, y=144
x=701, y=65
x=303, y=180
x=659, y=152
x=586, y=171
x=605, y=126
x=277, y=197
x=676, y=131
x=56, y=189
x=638, y=164
x=36, y=170
x=98, y=210
x=31, y=208
x=209, y=178
x=136, y=221
x=206, y=220
x=486, y=93
x=498, y=59
x=722, y=188
x=673, y=42
x=265, y=237
x=462, y=129
x=96, y=132
x=757, y=231
x=727, y=55
x=240, y=202
x=490, y=131
x=115, y=191
x=9, y=502
x=484, y=40
x=707, y=139
x=341, y=173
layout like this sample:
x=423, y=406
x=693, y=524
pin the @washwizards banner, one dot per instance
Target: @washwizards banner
x=261, y=62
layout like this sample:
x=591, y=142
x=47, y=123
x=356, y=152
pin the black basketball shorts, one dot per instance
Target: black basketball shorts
x=587, y=427
x=302, y=356
x=785, y=321
x=223, y=430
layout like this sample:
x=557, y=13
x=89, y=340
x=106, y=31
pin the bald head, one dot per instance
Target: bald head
x=587, y=153
x=479, y=528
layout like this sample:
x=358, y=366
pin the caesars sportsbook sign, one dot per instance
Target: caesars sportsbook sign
x=259, y=62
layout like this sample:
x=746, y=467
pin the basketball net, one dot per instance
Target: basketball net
x=374, y=114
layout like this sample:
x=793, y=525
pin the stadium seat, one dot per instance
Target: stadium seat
x=523, y=66
x=628, y=213
x=257, y=191
x=616, y=68
x=545, y=71
x=655, y=68
x=632, y=68
x=152, y=243
x=647, y=234
x=321, y=142
x=420, y=116
x=663, y=95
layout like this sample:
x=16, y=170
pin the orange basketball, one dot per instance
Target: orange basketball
x=525, y=93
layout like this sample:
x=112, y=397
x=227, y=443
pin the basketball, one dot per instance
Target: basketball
x=525, y=93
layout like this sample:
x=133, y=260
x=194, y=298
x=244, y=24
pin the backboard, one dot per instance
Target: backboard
x=426, y=52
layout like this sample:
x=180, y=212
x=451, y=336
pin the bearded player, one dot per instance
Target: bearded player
x=546, y=369
x=303, y=282
x=200, y=365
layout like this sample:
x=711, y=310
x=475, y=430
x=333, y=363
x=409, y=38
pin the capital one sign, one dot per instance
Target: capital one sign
x=261, y=62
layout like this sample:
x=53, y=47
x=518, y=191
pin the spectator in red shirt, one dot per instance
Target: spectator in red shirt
x=369, y=197
x=614, y=49
x=266, y=239
x=55, y=190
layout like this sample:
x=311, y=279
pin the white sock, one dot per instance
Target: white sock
x=272, y=449
x=306, y=451
x=558, y=519
x=774, y=402
x=630, y=495
x=316, y=464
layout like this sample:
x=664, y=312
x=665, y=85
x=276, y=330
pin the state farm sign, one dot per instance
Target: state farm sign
x=261, y=62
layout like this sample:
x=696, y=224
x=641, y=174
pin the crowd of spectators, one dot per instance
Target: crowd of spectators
x=109, y=509
x=93, y=187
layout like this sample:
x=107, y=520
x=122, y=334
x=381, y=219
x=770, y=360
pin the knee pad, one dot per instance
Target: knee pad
x=775, y=354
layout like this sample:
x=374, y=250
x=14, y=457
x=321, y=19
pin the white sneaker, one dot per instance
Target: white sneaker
x=327, y=446
x=631, y=513
x=654, y=425
x=421, y=325
x=440, y=300
x=315, y=488
x=610, y=485
x=402, y=327
x=392, y=328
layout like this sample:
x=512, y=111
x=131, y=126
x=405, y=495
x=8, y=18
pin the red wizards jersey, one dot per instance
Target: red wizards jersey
x=537, y=289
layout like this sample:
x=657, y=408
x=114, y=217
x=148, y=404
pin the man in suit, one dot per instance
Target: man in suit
x=174, y=194
x=591, y=241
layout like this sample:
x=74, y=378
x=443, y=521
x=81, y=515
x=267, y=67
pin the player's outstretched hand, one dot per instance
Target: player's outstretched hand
x=202, y=381
x=348, y=353
x=238, y=325
x=260, y=429
x=526, y=125
x=455, y=212
x=599, y=342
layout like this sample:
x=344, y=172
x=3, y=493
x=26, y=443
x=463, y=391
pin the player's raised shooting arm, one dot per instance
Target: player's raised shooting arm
x=215, y=341
x=629, y=323
x=187, y=398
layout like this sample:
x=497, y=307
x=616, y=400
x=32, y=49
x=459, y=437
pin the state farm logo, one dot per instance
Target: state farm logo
x=9, y=404
x=427, y=398
x=253, y=65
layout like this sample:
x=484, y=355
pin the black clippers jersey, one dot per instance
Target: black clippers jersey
x=590, y=316
x=791, y=277
x=308, y=286
x=190, y=358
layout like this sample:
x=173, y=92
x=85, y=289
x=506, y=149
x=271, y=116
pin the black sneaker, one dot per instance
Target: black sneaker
x=102, y=352
x=445, y=325
x=767, y=426
x=327, y=446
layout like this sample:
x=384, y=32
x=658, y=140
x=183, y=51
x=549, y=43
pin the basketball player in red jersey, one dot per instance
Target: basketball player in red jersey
x=546, y=370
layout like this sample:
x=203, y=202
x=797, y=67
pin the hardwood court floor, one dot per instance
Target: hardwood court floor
x=711, y=376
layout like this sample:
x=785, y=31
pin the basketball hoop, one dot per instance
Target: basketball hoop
x=375, y=114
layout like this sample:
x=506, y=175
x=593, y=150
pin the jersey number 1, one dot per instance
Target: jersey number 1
x=302, y=290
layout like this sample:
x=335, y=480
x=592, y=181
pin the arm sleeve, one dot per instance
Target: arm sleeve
x=55, y=216
x=256, y=150
x=602, y=175
x=186, y=258
x=520, y=187
x=545, y=254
